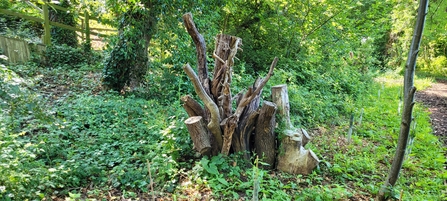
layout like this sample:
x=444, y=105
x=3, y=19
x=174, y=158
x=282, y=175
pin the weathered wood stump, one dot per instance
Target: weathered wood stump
x=217, y=127
x=265, y=138
x=292, y=157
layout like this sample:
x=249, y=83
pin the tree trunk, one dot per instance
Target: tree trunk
x=121, y=71
x=409, y=91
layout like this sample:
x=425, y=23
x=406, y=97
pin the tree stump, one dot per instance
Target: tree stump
x=295, y=159
x=217, y=127
x=292, y=157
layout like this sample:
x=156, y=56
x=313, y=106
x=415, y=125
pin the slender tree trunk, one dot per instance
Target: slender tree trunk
x=409, y=91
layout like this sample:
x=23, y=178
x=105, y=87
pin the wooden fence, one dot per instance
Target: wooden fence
x=85, y=28
x=17, y=50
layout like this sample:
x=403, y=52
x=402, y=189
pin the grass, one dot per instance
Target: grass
x=70, y=141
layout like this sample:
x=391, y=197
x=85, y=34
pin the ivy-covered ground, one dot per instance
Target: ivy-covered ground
x=62, y=138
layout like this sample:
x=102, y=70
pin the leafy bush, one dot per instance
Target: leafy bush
x=5, y=4
x=65, y=56
x=436, y=67
x=59, y=35
x=21, y=174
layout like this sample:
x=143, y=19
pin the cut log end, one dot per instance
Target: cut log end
x=199, y=134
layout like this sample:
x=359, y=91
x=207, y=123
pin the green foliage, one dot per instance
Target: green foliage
x=105, y=141
x=16, y=27
x=434, y=43
x=5, y=4
x=436, y=66
x=3, y=58
x=91, y=145
x=20, y=105
x=64, y=56
x=59, y=35
x=371, y=150
x=101, y=141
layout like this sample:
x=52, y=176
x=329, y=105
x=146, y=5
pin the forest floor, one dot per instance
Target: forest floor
x=435, y=98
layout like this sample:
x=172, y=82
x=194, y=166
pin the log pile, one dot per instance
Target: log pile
x=249, y=128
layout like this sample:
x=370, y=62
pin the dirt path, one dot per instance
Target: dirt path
x=435, y=98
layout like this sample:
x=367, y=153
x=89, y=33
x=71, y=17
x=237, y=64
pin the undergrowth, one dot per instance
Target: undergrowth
x=62, y=138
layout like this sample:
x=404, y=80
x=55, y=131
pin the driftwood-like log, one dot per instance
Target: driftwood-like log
x=199, y=134
x=226, y=47
x=265, y=138
x=294, y=159
x=199, y=41
x=250, y=95
x=247, y=122
x=227, y=128
x=192, y=107
x=214, y=124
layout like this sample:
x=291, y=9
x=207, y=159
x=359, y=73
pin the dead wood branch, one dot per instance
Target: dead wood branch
x=249, y=96
x=199, y=41
x=214, y=124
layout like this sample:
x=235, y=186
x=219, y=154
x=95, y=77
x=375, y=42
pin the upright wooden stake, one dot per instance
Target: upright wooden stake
x=351, y=125
x=46, y=25
x=87, y=31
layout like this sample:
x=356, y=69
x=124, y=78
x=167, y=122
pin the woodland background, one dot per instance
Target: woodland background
x=103, y=120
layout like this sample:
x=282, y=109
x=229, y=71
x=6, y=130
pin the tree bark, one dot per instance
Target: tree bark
x=409, y=91
x=199, y=134
x=265, y=138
